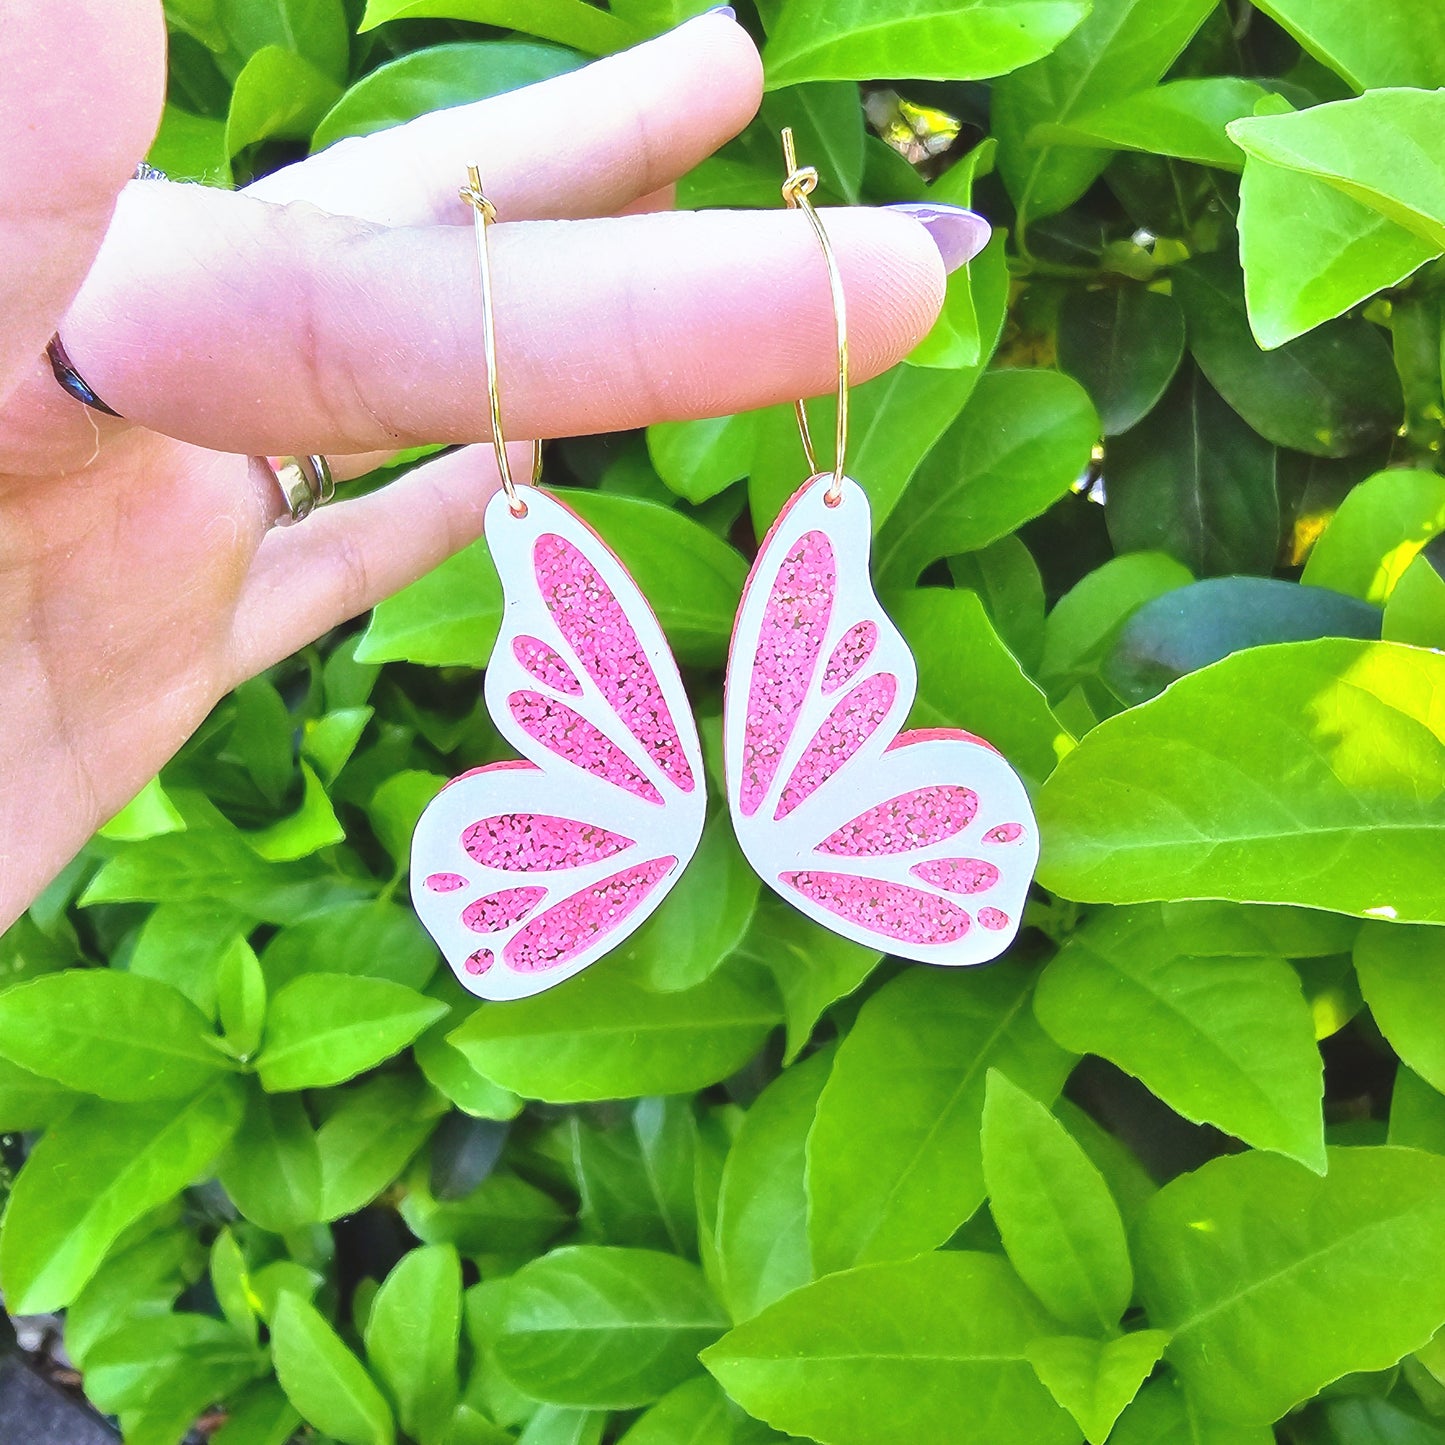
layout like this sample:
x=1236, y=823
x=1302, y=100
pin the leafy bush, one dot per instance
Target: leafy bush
x=731, y=1182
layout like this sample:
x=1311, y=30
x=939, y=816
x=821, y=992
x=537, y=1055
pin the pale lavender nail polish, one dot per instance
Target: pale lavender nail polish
x=722, y=10
x=959, y=235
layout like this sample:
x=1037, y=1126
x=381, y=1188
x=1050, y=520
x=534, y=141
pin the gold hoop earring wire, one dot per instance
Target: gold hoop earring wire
x=800, y=184
x=484, y=213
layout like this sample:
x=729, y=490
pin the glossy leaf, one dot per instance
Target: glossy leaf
x=324, y=1380
x=1058, y=1221
x=602, y=1328
x=699, y=459
x=1021, y=442
x=1253, y=1250
x=587, y=1041
x=931, y=1351
x=1095, y=1379
x=28, y=1101
x=368, y=1138
x=241, y=998
x=1356, y=728
x=374, y=939
x=1399, y=970
x=1405, y=45
x=1006, y=580
x=279, y=95
x=886, y=1183
x=696, y=1413
x=932, y=40
x=1124, y=344
x=1162, y=1414
x=1229, y=1041
x=272, y=1168
x=571, y=22
x=1415, y=612
x=1194, y=481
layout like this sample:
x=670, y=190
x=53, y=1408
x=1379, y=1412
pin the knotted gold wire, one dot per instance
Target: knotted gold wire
x=484, y=213
x=799, y=185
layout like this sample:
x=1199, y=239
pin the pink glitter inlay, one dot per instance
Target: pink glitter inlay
x=539, y=843
x=993, y=918
x=573, y=738
x=958, y=875
x=565, y=930
x=1004, y=833
x=853, y=720
x=912, y=820
x=545, y=664
x=789, y=640
x=497, y=910
x=445, y=882
x=854, y=648
x=596, y=628
x=479, y=962
x=892, y=909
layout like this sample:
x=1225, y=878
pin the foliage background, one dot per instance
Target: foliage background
x=1174, y=1171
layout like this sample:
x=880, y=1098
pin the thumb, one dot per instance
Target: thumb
x=81, y=89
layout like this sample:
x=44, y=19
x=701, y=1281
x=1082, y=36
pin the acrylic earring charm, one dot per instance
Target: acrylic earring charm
x=525, y=872
x=918, y=843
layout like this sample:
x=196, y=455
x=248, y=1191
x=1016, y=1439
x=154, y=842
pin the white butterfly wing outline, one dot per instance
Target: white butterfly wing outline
x=543, y=897
x=871, y=894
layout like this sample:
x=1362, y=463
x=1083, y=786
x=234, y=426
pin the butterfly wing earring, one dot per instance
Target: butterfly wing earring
x=919, y=843
x=524, y=872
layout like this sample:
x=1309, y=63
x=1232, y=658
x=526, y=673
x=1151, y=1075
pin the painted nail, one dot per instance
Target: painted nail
x=722, y=10
x=959, y=235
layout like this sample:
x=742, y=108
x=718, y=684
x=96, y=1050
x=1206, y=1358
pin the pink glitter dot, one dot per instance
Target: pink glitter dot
x=445, y=882
x=539, y=842
x=497, y=910
x=1004, y=833
x=958, y=875
x=892, y=909
x=853, y=720
x=479, y=962
x=854, y=648
x=545, y=664
x=912, y=820
x=993, y=918
x=573, y=738
x=790, y=637
x=596, y=628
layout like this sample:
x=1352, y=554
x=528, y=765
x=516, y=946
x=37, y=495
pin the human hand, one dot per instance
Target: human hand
x=333, y=309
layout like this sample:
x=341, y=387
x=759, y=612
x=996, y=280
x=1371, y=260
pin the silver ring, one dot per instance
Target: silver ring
x=306, y=483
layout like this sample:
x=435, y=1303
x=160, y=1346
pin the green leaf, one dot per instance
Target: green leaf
x=412, y=1336
x=241, y=997
x=1417, y=1113
x=1123, y=46
x=696, y=1413
x=692, y=579
x=762, y=1217
x=1182, y=796
x=1243, y=930
x=324, y=1380
x=1021, y=442
x=1206, y=621
x=1095, y=1379
x=930, y=1351
x=570, y=22
x=886, y=1183
x=1377, y=533
x=107, y=1033
x=449, y=1073
x=191, y=148
x=1185, y=118
x=1404, y=46
x=699, y=459
x=312, y=827
x=1332, y=393
x=1378, y=149
x=228, y=1280
x=324, y=1028
x=503, y=1213
x=923, y=40
x=701, y=921
x=1080, y=630
x=600, y=1328
x=967, y=678
x=262, y=1416
x=368, y=1138
x=372, y=939
x=1006, y=579
x=1311, y=252
x=149, y=814
x=606, y=1037
x=827, y=125
x=1228, y=1041
x=93, y=1175
x=1124, y=343
x=1058, y=1221
x=328, y=742
x=279, y=95
x=1399, y=970
x=1194, y=481
x=1162, y=1414
x=1415, y=612
x=437, y=78
x=272, y=1169
x=553, y=1425
x=28, y=1101
x=182, y=944
x=1242, y=1259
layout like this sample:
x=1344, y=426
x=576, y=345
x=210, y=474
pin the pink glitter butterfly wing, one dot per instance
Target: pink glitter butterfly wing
x=525, y=872
x=922, y=844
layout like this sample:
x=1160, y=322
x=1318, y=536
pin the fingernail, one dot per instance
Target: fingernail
x=959, y=235
x=722, y=10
